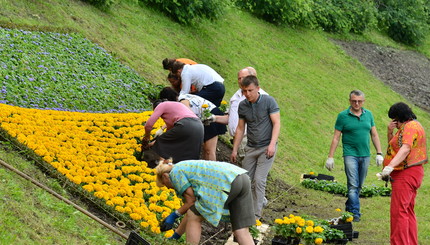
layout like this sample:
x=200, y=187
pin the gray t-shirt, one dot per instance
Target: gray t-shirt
x=257, y=118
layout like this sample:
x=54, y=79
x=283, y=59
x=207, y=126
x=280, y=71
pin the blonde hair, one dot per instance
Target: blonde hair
x=164, y=166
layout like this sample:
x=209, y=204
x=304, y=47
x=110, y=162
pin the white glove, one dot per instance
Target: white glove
x=379, y=160
x=329, y=164
x=379, y=176
x=158, y=133
x=386, y=172
x=209, y=120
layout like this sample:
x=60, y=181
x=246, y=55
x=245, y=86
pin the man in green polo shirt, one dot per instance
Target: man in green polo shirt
x=357, y=126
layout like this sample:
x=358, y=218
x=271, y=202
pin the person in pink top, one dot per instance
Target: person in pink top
x=184, y=136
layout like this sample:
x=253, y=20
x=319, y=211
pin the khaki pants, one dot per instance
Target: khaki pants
x=258, y=167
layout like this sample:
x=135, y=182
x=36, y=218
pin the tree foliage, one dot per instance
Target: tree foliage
x=186, y=11
x=405, y=21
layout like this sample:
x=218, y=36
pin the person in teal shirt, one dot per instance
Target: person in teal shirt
x=357, y=126
x=210, y=190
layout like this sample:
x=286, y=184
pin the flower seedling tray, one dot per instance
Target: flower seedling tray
x=317, y=177
x=346, y=228
x=278, y=240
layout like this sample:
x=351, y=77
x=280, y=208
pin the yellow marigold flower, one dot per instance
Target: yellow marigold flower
x=279, y=221
x=223, y=102
x=349, y=219
x=257, y=222
x=169, y=233
x=155, y=229
x=205, y=106
x=144, y=224
x=338, y=209
x=301, y=222
x=309, y=229
x=291, y=216
x=311, y=173
x=89, y=188
x=299, y=230
x=77, y=180
x=135, y=216
x=318, y=229
x=165, y=214
x=127, y=210
x=318, y=240
x=309, y=222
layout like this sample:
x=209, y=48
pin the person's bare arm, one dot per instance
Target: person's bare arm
x=238, y=137
x=189, y=200
x=276, y=122
x=334, y=143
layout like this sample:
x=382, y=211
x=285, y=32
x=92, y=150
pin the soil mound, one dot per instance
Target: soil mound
x=406, y=72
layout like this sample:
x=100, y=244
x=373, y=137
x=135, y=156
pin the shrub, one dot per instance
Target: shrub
x=101, y=3
x=405, y=21
x=342, y=16
x=189, y=11
x=333, y=16
x=291, y=12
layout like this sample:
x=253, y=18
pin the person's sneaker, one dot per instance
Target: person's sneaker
x=356, y=219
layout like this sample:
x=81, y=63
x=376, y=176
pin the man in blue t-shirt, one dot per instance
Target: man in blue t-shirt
x=356, y=125
x=260, y=113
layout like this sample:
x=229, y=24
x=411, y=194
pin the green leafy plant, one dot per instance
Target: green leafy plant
x=310, y=230
x=67, y=72
x=255, y=232
x=224, y=106
x=341, y=189
x=205, y=112
x=345, y=217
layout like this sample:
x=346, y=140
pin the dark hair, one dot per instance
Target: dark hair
x=172, y=76
x=356, y=92
x=156, y=103
x=401, y=112
x=167, y=63
x=176, y=66
x=248, y=80
x=169, y=94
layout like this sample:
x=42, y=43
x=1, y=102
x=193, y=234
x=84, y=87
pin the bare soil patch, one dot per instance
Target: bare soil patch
x=406, y=72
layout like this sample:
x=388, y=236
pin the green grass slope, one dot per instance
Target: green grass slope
x=308, y=75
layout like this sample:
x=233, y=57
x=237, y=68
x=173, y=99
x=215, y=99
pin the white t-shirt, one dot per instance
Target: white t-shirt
x=198, y=75
x=196, y=103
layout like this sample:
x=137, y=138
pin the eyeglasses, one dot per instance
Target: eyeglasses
x=356, y=101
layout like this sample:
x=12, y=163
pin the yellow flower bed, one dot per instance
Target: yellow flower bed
x=96, y=152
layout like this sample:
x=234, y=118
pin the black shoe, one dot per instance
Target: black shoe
x=356, y=219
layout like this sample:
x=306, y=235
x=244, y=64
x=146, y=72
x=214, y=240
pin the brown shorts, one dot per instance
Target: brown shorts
x=239, y=202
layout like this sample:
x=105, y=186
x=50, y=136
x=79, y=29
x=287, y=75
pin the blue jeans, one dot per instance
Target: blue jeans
x=356, y=172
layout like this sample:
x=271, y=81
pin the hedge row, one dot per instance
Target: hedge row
x=404, y=21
